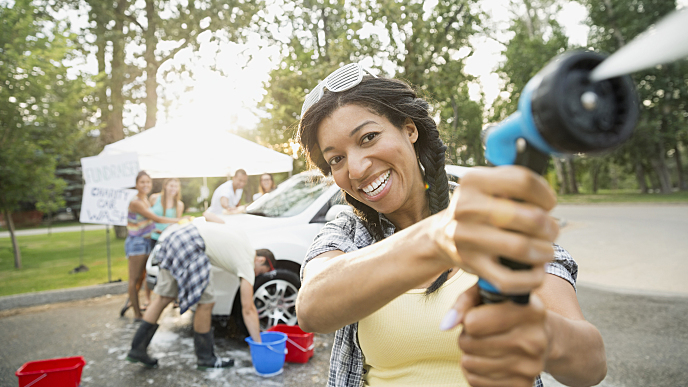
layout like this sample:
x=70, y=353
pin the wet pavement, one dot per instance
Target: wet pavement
x=93, y=329
x=645, y=336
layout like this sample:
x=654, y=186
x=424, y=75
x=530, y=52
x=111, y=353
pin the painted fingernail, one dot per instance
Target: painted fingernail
x=449, y=320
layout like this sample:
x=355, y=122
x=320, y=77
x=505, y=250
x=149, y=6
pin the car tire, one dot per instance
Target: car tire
x=265, y=286
x=274, y=294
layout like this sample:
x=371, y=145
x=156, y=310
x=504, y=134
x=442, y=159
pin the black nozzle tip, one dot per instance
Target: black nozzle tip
x=575, y=115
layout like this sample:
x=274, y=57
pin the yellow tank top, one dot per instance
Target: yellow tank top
x=403, y=345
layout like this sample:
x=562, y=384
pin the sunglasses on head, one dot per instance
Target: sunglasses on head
x=340, y=80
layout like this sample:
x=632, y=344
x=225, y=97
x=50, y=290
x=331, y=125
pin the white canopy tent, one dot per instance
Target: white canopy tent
x=181, y=150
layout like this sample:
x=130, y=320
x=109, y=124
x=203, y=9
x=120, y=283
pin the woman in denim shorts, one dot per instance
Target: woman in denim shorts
x=140, y=224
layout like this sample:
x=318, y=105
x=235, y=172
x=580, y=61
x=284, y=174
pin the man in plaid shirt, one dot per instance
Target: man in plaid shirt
x=185, y=256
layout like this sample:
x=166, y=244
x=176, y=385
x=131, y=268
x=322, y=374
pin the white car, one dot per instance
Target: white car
x=285, y=221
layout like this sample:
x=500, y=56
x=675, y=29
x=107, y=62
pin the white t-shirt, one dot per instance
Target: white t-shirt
x=228, y=248
x=225, y=190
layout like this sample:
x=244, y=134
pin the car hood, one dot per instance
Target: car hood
x=254, y=223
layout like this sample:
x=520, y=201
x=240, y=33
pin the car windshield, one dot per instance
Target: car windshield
x=291, y=197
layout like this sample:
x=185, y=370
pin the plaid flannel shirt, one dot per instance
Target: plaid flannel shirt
x=183, y=254
x=347, y=233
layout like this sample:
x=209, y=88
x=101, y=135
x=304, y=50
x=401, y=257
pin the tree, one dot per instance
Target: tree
x=165, y=21
x=421, y=46
x=41, y=109
x=428, y=47
x=132, y=41
x=537, y=38
x=108, y=27
x=318, y=38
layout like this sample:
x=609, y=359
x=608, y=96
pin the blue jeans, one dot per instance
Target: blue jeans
x=136, y=245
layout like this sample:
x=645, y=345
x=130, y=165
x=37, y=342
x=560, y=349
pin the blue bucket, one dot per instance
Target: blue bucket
x=268, y=356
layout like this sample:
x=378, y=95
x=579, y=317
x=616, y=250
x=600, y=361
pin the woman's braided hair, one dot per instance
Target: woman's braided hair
x=396, y=101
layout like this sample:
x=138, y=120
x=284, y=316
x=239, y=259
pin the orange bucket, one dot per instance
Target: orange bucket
x=299, y=343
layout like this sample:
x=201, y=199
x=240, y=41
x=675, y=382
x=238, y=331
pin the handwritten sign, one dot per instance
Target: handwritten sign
x=117, y=171
x=105, y=205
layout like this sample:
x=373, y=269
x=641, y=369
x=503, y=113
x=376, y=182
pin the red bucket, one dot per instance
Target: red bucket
x=64, y=372
x=299, y=343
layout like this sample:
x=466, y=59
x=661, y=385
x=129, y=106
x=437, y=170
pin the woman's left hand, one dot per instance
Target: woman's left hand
x=503, y=344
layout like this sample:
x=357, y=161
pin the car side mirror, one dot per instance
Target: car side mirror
x=335, y=210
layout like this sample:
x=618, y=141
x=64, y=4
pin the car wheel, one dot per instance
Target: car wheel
x=274, y=294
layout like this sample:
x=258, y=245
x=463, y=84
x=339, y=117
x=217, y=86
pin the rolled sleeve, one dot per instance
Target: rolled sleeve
x=338, y=234
x=563, y=265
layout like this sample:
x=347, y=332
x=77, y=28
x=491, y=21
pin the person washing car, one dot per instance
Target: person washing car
x=227, y=196
x=185, y=256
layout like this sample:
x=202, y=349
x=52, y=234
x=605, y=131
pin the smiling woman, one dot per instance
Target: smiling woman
x=399, y=264
x=140, y=225
x=395, y=178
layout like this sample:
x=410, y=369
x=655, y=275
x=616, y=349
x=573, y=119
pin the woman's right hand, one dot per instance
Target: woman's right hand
x=499, y=212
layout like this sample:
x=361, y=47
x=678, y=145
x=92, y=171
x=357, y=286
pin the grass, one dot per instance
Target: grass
x=629, y=196
x=47, y=260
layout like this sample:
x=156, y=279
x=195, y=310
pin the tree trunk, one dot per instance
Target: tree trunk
x=101, y=93
x=453, y=152
x=571, y=175
x=15, y=245
x=654, y=182
x=531, y=19
x=559, y=169
x=679, y=167
x=151, y=66
x=614, y=178
x=640, y=177
x=115, y=124
x=121, y=232
x=660, y=168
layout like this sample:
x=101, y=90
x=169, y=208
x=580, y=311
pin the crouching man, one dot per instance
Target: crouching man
x=185, y=257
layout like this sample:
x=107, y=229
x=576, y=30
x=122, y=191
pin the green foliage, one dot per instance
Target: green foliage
x=419, y=46
x=526, y=54
x=662, y=127
x=462, y=122
x=536, y=38
x=323, y=37
x=429, y=50
x=662, y=90
x=42, y=108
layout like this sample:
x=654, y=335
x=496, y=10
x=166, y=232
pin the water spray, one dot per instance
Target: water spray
x=662, y=43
